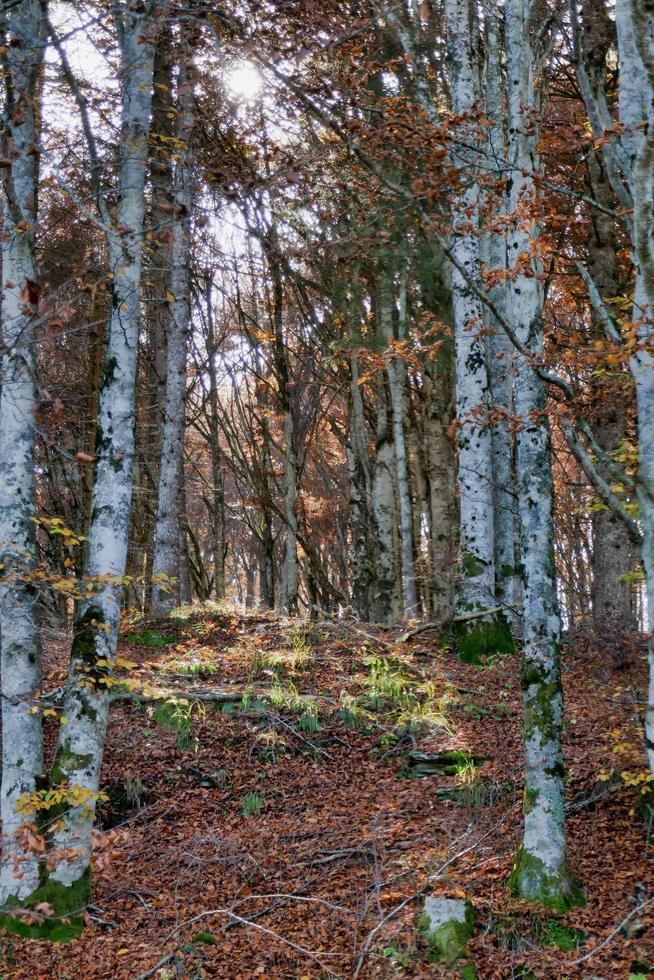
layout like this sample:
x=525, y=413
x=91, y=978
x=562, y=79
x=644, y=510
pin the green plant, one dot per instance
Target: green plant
x=202, y=628
x=308, y=722
x=387, y=680
x=135, y=791
x=252, y=804
x=258, y=662
x=478, y=793
x=176, y=715
x=421, y=717
x=150, y=638
x=351, y=713
x=194, y=668
x=398, y=959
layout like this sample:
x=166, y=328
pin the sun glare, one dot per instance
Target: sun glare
x=244, y=82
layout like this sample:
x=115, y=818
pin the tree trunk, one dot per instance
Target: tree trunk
x=218, y=502
x=636, y=49
x=359, y=473
x=477, y=543
x=291, y=457
x=22, y=742
x=396, y=386
x=541, y=871
x=441, y=472
x=169, y=540
x=267, y=566
x=78, y=754
x=500, y=350
x=383, y=507
x=290, y=599
x=157, y=256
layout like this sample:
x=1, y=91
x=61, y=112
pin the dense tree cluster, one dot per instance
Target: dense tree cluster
x=343, y=309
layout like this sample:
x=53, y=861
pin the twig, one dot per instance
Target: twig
x=398, y=908
x=612, y=934
x=244, y=922
x=316, y=748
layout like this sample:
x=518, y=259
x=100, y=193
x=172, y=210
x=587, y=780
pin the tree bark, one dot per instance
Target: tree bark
x=500, y=349
x=359, y=474
x=22, y=742
x=383, y=506
x=475, y=456
x=541, y=871
x=169, y=541
x=218, y=501
x=396, y=387
x=79, y=749
x=636, y=49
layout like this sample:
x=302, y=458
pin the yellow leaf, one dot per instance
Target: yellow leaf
x=121, y=952
x=170, y=298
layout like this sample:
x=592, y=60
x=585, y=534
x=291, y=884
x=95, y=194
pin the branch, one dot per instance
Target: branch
x=607, y=495
x=73, y=85
x=599, y=305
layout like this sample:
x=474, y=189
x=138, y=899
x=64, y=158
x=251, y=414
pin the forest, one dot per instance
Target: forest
x=327, y=489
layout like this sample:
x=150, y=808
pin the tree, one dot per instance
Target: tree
x=23, y=26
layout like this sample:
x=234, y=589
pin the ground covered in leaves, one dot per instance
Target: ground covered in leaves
x=285, y=807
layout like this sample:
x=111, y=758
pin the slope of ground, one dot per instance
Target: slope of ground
x=265, y=820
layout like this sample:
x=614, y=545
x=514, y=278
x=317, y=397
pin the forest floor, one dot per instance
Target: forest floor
x=282, y=830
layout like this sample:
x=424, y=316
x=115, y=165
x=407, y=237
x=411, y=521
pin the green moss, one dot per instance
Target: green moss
x=67, y=903
x=84, y=648
x=543, y=710
x=530, y=800
x=477, y=639
x=563, y=937
x=64, y=762
x=530, y=880
x=448, y=943
x=150, y=638
x=471, y=564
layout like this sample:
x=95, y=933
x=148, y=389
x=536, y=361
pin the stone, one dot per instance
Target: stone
x=447, y=924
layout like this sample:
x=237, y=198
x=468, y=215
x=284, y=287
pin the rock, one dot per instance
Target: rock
x=452, y=763
x=447, y=924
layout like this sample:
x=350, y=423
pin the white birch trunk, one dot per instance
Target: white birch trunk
x=475, y=474
x=168, y=535
x=541, y=872
x=22, y=742
x=500, y=349
x=636, y=50
x=80, y=745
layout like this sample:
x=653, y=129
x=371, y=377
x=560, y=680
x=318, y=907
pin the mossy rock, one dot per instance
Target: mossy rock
x=67, y=903
x=446, y=925
x=421, y=764
x=476, y=640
